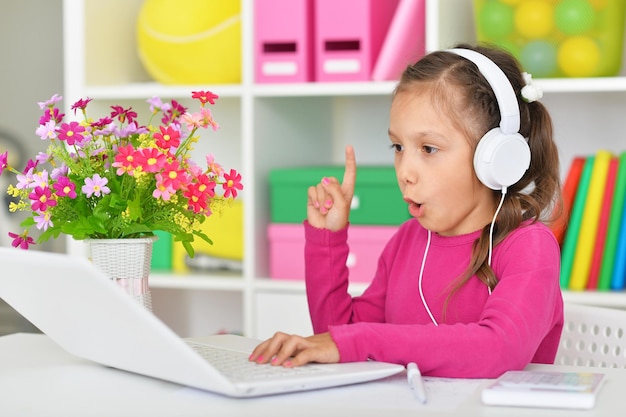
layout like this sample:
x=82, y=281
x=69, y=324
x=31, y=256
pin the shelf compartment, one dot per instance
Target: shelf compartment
x=215, y=281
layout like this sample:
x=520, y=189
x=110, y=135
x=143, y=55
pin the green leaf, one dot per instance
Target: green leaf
x=134, y=209
x=136, y=228
x=28, y=222
x=204, y=237
x=190, y=250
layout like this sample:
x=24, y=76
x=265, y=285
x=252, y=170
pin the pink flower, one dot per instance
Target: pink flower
x=39, y=179
x=23, y=240
x=207, y=119
x=122, y=114
x=47, y=131
x=150, y=159
x=204, y=96
x=195, y=199
x=81, y=104
x=25, y=180
x=162, y=190
x=193, y=121
x=65, y=188
x=232, y=184
x=214, y=167
x=41, y=199
x=71, y=132
x=51, y=102
x=168, y=138
x=156, y=105
x=125, y=160
x=4, y=161
x=43, y=221
x=95, y=185
x=173, y=176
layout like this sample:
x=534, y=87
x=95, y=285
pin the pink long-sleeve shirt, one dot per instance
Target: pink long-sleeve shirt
x=479, y=335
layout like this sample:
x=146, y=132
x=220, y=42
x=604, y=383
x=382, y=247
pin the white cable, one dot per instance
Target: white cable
x=419, y=282
x=493, y=222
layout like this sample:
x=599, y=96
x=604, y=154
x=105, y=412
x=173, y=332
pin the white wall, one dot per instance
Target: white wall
x=31, y=70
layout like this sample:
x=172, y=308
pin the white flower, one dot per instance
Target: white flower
x=530, y=92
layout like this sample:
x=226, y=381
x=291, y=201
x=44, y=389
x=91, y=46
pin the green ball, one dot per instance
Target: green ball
x=495, y=20
x=508, y=45
x=574, y=17
x=539, y=58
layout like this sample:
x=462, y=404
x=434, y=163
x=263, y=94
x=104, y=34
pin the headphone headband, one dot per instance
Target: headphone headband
x=501, y=86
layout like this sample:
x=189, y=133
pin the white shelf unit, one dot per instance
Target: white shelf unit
x=265, y=126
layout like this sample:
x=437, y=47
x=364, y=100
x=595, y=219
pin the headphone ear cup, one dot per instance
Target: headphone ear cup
x=500, y=159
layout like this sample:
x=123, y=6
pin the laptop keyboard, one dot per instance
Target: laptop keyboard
x=236, y=366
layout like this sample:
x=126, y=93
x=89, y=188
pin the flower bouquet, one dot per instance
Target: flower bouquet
x=112, y=178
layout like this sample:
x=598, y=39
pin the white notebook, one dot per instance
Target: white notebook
x=548, y=389
x=88, y=315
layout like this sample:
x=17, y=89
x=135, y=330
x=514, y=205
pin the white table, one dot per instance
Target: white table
x=39, y=379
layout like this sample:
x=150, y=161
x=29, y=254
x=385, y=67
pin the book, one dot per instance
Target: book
x=618, y=277
x=404, y=43
x=610, y=245
x=569, y=193
x=603, y=224
x=573, y=228
x=589, y=222
x=547, y=389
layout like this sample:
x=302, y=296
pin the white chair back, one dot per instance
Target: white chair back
x=593, y=336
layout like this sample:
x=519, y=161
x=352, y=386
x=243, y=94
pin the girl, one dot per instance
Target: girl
x=470, y=286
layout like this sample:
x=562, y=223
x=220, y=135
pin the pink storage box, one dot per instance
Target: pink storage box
x=283, y=40
x=287, y=250
x=348, y=37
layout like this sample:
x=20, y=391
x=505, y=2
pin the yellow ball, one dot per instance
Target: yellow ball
x=579, y=56
x=598, y=4
x=190, y=41
x=534, y=19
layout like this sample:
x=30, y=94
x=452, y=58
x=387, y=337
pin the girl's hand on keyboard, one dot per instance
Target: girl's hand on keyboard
x=290, y=350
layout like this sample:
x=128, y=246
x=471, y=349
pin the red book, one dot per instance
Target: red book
x=569, y=193
x=605, y=214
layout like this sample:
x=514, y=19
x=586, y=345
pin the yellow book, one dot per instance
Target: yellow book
x=589, y=223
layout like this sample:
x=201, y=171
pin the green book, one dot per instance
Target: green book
x=608, y=260
x=573, y=229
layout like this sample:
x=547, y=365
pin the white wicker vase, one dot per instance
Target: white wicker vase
x=127, y=262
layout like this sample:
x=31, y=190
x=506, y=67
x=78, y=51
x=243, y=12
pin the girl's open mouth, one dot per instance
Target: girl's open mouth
x=415, y=209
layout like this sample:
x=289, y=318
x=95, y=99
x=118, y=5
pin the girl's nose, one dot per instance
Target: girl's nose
x=406, y=172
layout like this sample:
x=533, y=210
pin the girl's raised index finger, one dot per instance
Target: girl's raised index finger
x=349, y=174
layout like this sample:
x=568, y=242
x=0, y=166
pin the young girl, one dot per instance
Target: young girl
x=470, y=286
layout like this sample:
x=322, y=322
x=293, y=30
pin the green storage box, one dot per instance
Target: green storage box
x=162, y=252
x=377, y=197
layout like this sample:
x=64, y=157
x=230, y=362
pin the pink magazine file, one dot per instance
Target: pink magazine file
x=287, y=250
x=348, y=37
x=283, y=41
x=405, y=41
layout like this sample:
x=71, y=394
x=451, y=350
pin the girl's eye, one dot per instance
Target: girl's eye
x=396, y=147
x=429, y=149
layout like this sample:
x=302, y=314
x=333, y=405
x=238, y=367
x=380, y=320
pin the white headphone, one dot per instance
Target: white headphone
x=502, y=155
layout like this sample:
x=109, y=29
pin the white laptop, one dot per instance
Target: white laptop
x=73, y=303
